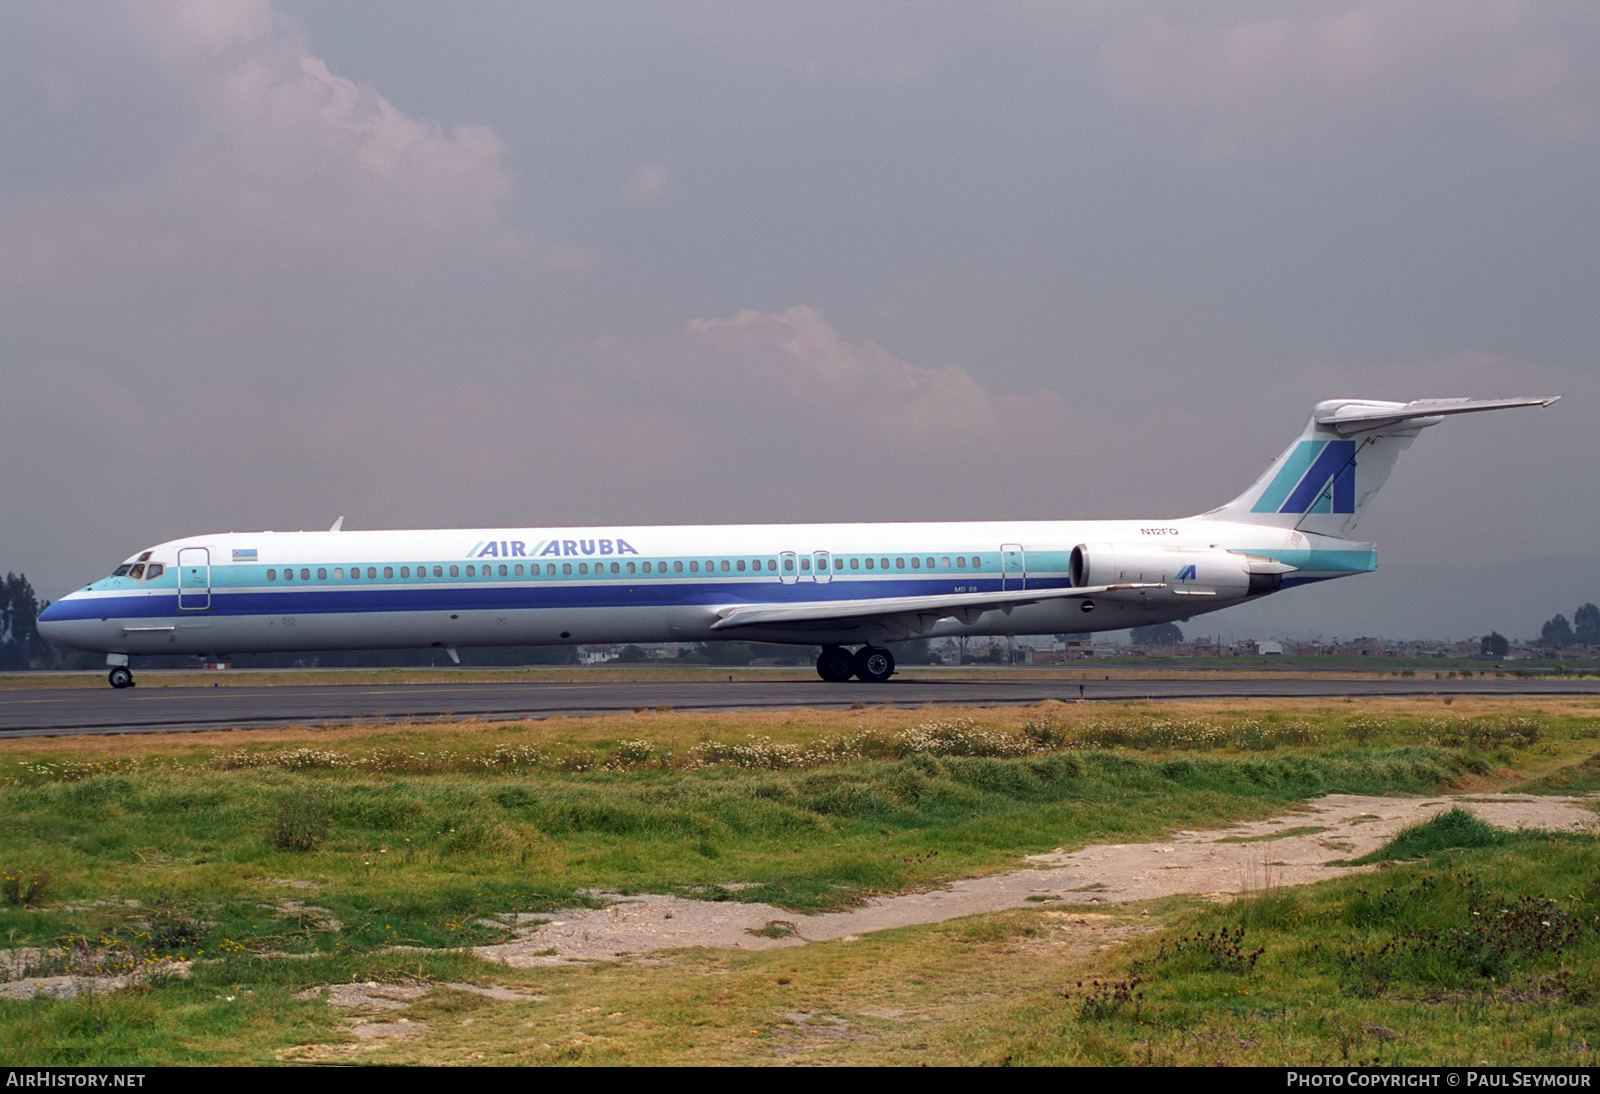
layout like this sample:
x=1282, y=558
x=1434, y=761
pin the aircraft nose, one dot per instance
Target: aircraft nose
x=52, y=622
x=63, y=623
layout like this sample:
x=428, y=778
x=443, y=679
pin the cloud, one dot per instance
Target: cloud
x=797, y=359
x=571, y=259
x=647, y=184
x=887, y=43
x=759, y=416
x=1476, y=374
x=1329, y=73
x=230, y=145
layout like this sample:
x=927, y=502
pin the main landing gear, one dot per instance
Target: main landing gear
x=836, y=664
x=120, y=676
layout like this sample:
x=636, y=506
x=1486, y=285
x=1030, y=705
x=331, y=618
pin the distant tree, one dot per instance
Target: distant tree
x=473, y=656
x=1157, y=634
x=1556, y=633
x=918, y=651
x=20, y=644
x=723, y=653
x=519, y=655
x=1586, y=625
x=1494, y=644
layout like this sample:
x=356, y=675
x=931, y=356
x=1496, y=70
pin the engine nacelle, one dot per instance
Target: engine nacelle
x=1185, y=571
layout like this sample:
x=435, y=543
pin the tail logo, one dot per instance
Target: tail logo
x=1186, y=574
x=1317, y=477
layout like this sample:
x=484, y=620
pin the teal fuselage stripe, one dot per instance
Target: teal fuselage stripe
x=234, y=575
x=1288, y=477
x=1311, y=563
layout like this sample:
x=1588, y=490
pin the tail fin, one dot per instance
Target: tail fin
x=1324, y=480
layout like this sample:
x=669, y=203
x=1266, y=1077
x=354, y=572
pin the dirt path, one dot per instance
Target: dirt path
x=1289, y=850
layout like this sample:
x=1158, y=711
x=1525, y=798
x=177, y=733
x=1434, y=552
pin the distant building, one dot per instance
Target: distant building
x=595, y=655
x=1055, y=653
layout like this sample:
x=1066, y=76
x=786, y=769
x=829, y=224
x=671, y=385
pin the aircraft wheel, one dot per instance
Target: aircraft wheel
x=120, y=677
x=873, y=665
x=834, y=664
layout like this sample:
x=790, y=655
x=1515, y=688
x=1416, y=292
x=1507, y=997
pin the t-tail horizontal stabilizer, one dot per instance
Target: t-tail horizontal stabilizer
x=1324, y=480
x=1355, y=417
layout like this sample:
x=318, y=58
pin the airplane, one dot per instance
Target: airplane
x=849, y=588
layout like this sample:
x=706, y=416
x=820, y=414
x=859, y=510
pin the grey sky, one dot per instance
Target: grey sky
x=426, y=265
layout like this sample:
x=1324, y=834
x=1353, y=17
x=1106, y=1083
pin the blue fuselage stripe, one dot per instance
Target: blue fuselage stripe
x=554, y=595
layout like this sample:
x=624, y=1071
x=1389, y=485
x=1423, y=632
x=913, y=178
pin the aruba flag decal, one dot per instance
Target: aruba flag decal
x=1317, y=477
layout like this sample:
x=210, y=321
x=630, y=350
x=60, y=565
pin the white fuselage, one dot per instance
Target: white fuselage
x=266, y=591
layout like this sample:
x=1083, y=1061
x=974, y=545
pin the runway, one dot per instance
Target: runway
x=156, y=709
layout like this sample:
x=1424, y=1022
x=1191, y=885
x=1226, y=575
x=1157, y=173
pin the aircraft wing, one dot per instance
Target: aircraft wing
x=909, y=615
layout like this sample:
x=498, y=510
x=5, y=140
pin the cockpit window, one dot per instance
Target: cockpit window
x=146, y=556
x=137, y=572
x=121, y=571
x=153, y=571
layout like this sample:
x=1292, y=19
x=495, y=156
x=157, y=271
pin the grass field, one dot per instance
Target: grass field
x=275, y=863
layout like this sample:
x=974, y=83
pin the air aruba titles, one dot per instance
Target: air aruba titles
x=550, y=548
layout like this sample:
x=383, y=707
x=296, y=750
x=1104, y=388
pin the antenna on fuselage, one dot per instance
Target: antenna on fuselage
x=338, y=525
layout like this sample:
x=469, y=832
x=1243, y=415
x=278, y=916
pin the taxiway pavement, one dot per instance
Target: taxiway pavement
x=159, y=709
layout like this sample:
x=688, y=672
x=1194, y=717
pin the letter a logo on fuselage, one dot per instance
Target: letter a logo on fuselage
x=1317, y=477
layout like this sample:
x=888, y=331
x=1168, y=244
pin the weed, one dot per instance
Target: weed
x=1392, y=904
x=1362, y=730
x=1218, y=951
x=1449, y=931
x=21, y=888
x=954, y=737
x=1045, y=734
x=303, y=818
x=775, y=928
x=1484, y=733
x=636, y=753
x=1104, y=1000
x=1284, y=833
x=1365, y=972
x=172, y=927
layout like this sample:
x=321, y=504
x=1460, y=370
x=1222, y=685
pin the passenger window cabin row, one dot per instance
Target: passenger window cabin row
x=822, y=562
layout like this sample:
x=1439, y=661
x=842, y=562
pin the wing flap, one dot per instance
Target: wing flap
x=916, y=612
